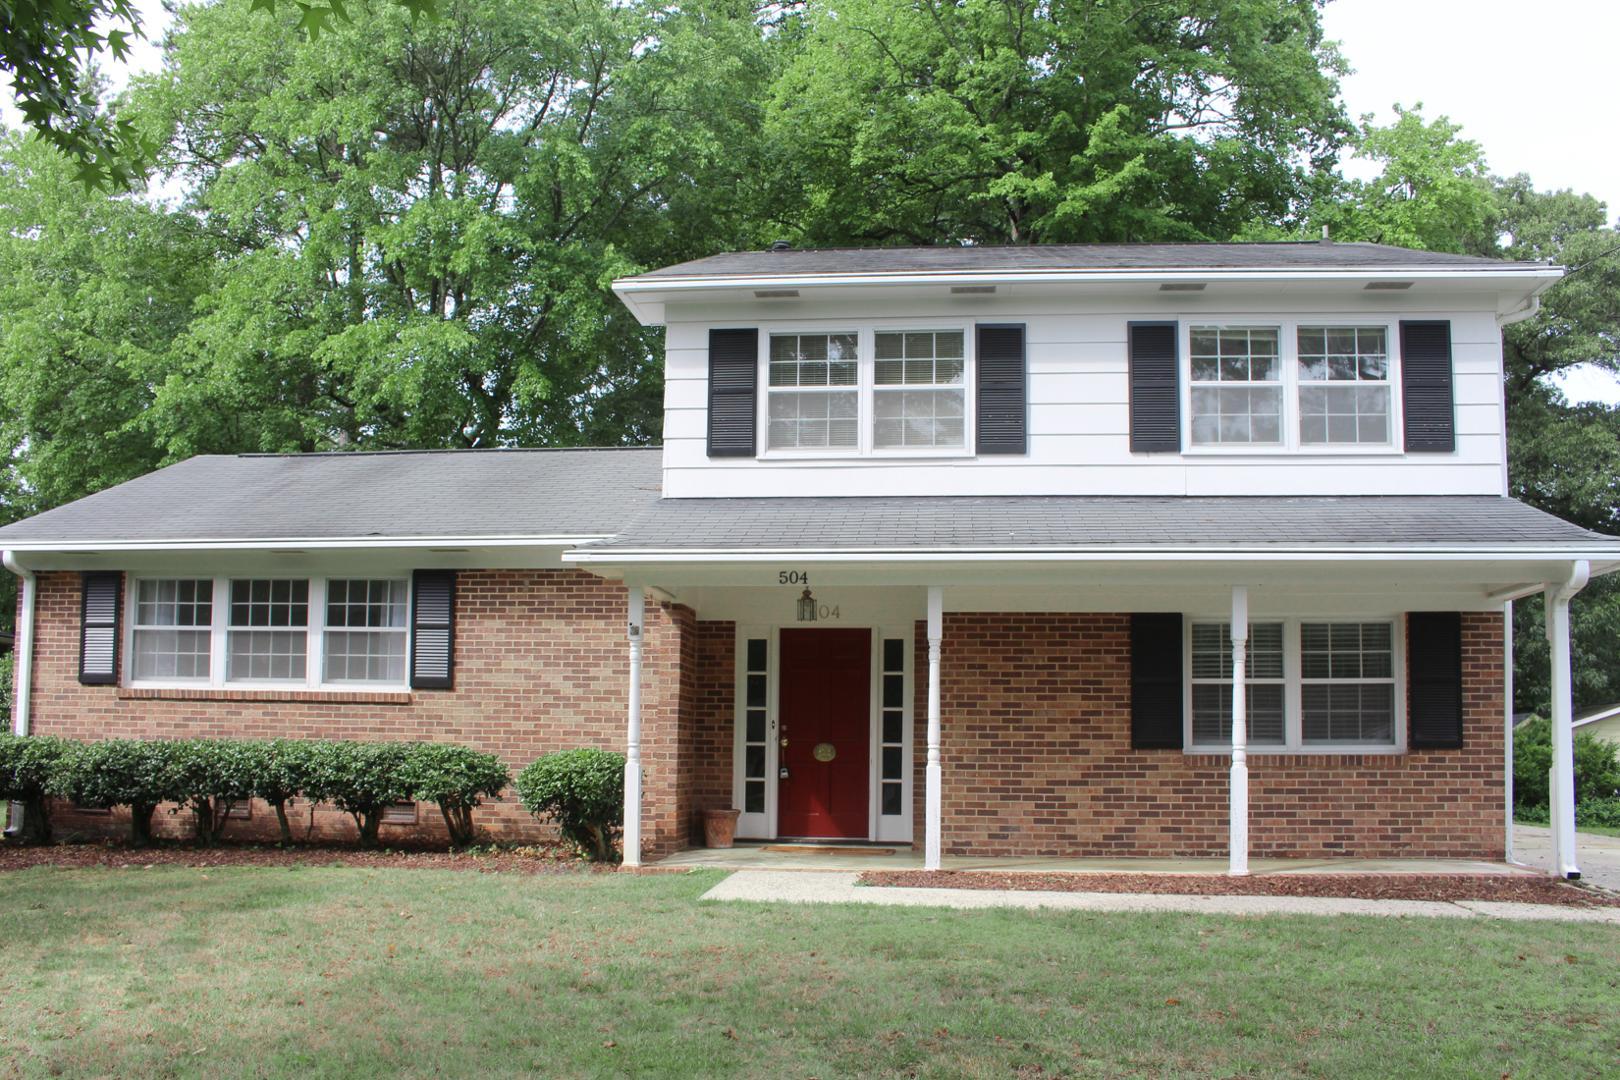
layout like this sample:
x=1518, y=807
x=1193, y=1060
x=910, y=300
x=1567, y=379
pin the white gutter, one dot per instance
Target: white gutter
x=634, y=285
x=325, y=544
x=24, y=671
x=24, y=651
x=1176, y=554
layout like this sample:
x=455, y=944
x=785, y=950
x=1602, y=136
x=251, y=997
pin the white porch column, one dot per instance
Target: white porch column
x=1563, y=734
x=932, y=774
x=632, y=755
x=1238, y=842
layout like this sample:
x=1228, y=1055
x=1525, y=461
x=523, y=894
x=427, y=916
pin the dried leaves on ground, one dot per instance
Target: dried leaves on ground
x=526, y=860
x=1511, y=888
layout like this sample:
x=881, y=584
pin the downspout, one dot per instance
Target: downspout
x=24, y=652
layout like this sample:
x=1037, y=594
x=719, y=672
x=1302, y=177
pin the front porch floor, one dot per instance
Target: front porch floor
x=785, y=856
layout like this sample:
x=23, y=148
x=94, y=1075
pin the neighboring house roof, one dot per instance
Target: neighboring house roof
x=1063, y=523
x=462, y=494
x=1302, y=256
x=1592, y=716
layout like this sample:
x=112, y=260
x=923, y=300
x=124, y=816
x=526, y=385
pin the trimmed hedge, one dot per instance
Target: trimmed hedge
x=583, y=792
x=207, y=776
x=27, y=766
x=1597, y=770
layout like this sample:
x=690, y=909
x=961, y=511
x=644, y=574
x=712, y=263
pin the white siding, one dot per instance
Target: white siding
x=1078, y=413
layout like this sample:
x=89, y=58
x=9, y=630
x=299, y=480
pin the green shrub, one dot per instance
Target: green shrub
x=361, y=778
x=1604, y=813
x=1597, y=774
x=281, y=772
x=583, y=792
x=27, y=764
x=210, y=775
x=121, y=772
x=8, y=674
x=457, y=778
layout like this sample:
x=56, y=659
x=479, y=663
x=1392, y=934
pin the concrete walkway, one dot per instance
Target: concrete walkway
x=838, y=887
x=1598, y=856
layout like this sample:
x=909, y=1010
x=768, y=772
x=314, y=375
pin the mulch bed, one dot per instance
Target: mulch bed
x=1511, y=888
x=528, y=860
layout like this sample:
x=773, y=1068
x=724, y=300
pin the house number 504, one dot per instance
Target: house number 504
x=793, y=577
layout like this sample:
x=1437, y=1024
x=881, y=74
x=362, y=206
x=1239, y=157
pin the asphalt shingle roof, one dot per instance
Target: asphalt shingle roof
x=1282, y=255
x=465, y=493
x=1063, y=522
x=614, y=495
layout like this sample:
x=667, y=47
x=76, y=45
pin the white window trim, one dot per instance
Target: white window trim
x=1288, y=353
x=1293, y=713
x=315, y=647
x=866, y=387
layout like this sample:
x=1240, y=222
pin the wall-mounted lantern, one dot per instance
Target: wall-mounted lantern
x=807, y=607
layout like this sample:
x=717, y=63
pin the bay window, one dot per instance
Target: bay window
x=1312, y=685
x=279, y=632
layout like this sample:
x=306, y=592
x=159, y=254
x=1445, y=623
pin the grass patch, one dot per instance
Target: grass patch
x=1594, y=830
x=358, y=972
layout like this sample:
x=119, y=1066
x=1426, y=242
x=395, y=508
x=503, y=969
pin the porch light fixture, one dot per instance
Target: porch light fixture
x=807, y=607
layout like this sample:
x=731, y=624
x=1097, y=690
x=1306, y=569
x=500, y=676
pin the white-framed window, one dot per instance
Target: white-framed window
x=1344, y=386
x=268, y=635
x=1237, y=385
x=896, y=390
x=1264, y=679
x=1313, y=685
x=1347, y=682
x=303, y=633
x=812, y=392
x=366, y=626
x=920, y=392
x=172, y=629
x=1311, y=384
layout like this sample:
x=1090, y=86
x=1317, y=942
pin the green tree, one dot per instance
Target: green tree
x=1031, y=121
x=417, y=220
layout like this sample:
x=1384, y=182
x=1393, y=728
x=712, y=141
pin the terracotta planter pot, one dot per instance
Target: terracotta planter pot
x=720, y=827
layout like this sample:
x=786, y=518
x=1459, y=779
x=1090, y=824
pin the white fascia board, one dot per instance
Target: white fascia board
x=615, y=556
x=626, y=287
x=324, y=544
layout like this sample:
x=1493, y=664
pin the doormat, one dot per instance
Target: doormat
x=826, y=849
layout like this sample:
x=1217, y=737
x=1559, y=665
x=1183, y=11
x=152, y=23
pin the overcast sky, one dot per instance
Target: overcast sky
x=1530, y=82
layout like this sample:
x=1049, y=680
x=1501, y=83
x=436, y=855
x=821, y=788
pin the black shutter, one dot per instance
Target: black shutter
x=1434, y=676
x=1426, y=392
x=1155, y=384
x=733, y=390
x=433, y=630
x=1156, y=682
x=1003, y=401
x=101, y=602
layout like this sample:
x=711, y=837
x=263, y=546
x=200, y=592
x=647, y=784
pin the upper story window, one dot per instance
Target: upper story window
x=291, y=632
x=1344, y=389
x=920, y=396
x=1306, y=386
x=1237, y=385
x=813, y=402
x=850, y=392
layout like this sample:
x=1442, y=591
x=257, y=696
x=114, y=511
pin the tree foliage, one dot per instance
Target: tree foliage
x=1051, y=120
x=583, y=792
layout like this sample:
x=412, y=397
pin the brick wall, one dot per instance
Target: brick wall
x=1035, y=743
x=541, y=665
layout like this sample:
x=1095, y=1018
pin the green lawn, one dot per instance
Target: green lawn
x=346, y=972
x=1595, y=830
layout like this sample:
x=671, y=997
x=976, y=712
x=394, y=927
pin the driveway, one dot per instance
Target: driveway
x=1598, y=856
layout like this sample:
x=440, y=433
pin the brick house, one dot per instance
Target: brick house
x=1089, y=550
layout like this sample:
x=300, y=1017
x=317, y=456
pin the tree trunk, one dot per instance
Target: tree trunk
x=140, y=824
x=458, y=822
x=281, y=819
x=368, y=824
x=36, y=827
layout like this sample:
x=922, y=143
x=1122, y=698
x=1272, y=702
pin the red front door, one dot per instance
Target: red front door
x=826, y=716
